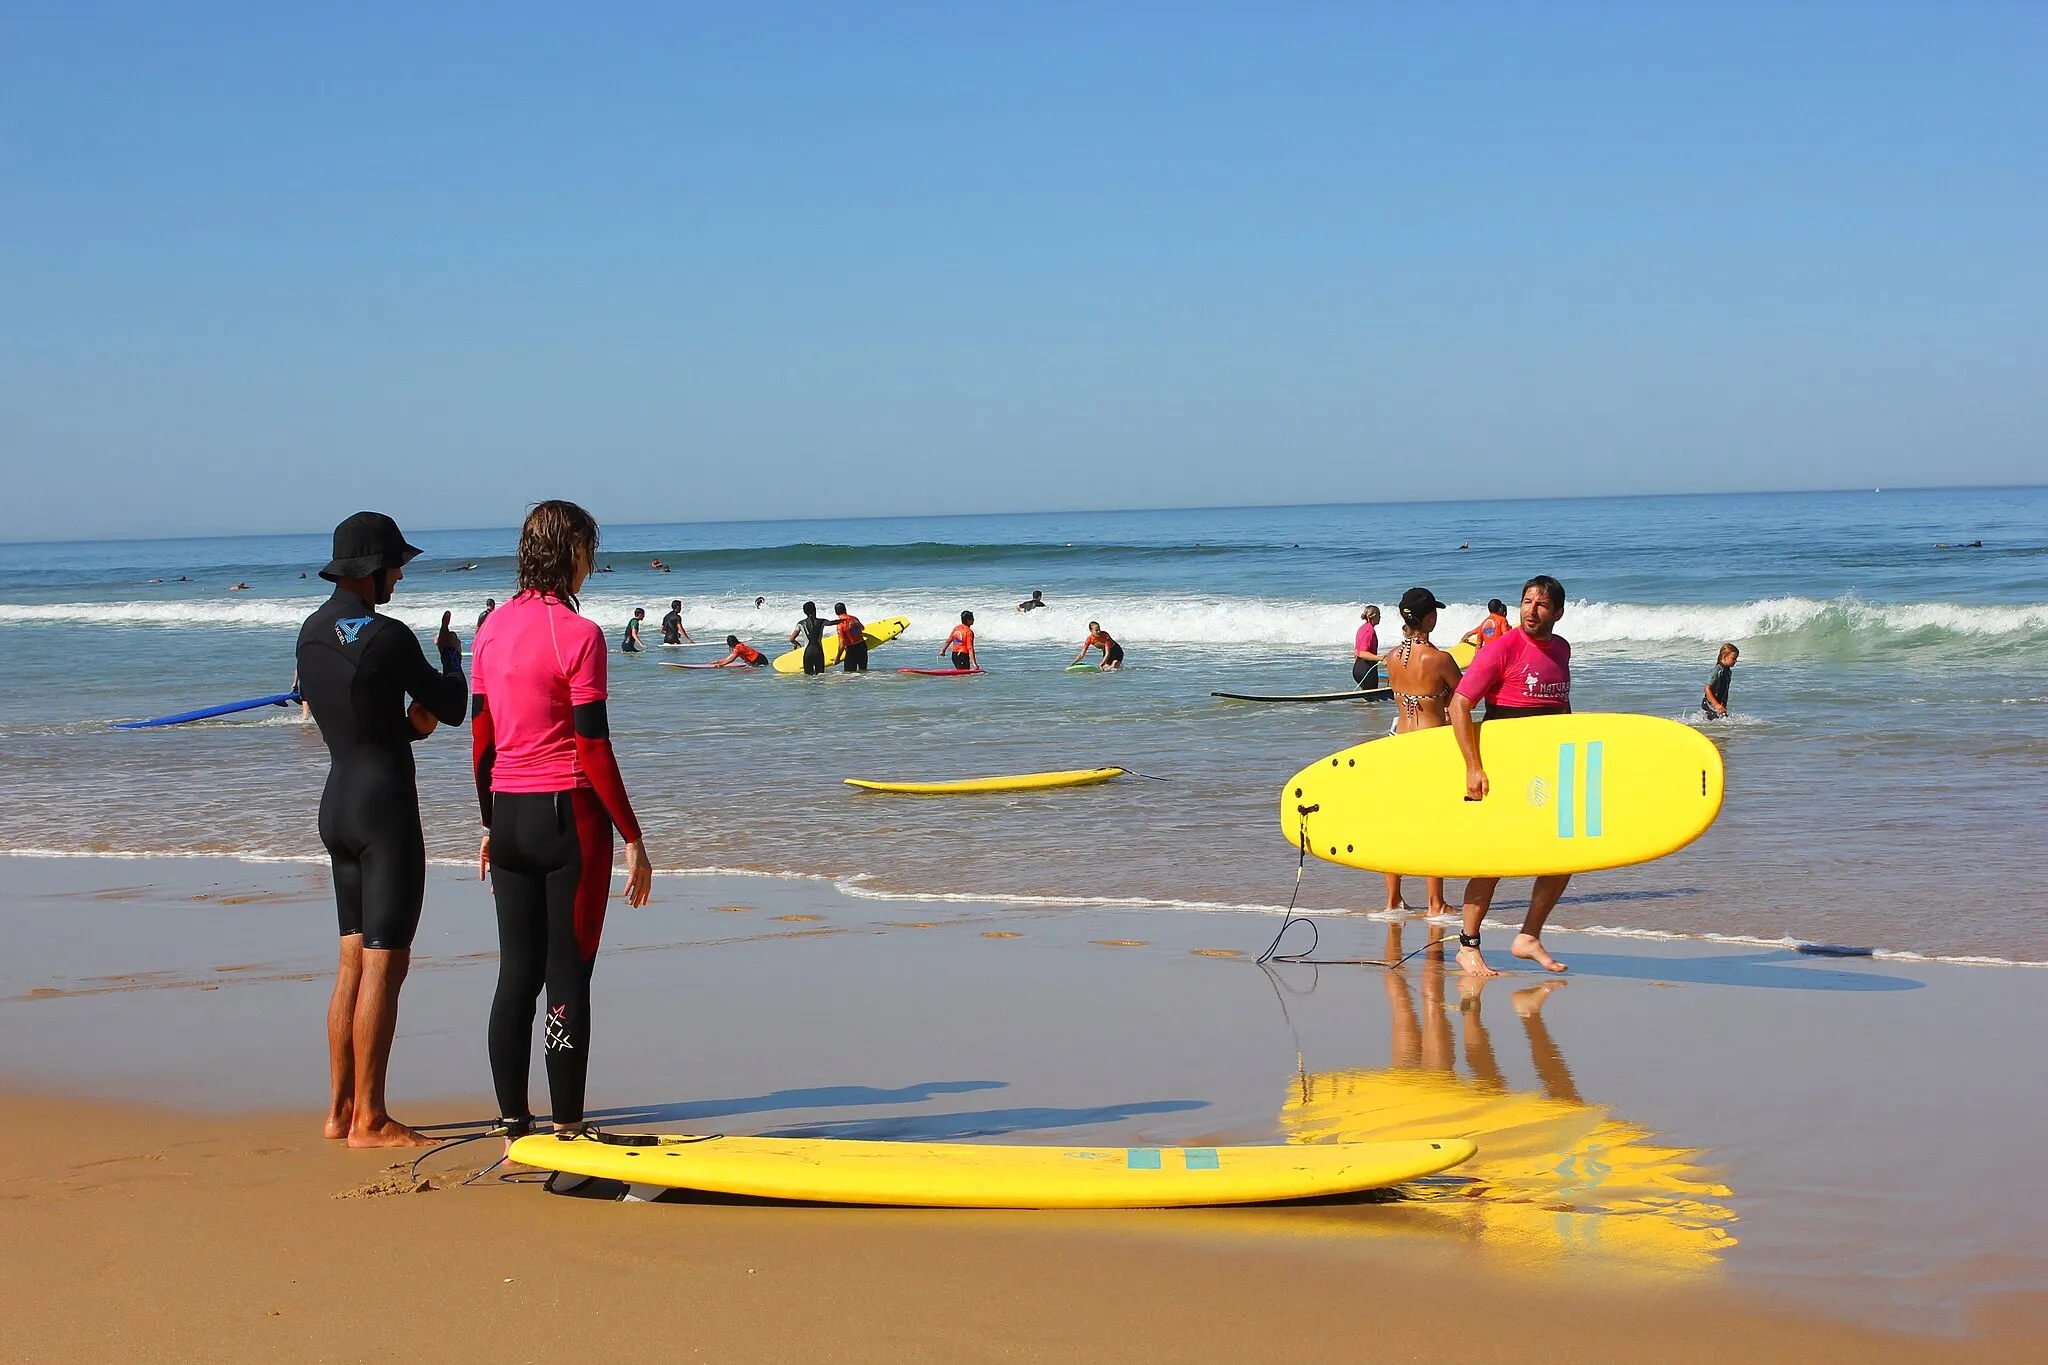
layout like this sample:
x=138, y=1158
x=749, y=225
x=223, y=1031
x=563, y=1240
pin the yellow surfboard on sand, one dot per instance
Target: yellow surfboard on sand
x=964, y=1175
x=1566, y=794
x=876, y=633
x=1020, y=782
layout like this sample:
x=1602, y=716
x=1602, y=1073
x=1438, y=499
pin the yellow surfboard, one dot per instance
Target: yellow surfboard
x=1566, y=794
x=1021, y=782
x=875, y=633
x=963, y=1175
x=1463, y=654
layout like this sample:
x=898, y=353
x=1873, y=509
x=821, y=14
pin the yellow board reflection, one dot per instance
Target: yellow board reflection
x=1556, y=1178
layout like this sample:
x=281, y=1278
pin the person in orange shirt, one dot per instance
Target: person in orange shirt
x=1098, y=638
x=960, y=644
x=1492, y=628
x=743, y=655
x=853, y=640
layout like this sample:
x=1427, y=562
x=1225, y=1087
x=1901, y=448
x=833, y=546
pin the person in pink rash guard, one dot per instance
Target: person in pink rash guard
x=1525, y=672
x=551, y=795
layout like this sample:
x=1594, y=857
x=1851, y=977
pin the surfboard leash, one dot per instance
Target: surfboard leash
x=1307, y=957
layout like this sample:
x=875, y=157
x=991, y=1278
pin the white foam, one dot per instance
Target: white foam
x=1237, y=621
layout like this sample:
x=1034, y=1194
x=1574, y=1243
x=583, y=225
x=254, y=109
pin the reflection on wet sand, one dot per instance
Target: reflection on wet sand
x=1557, y=1178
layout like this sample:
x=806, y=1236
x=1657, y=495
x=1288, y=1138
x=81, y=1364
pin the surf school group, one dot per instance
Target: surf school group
x=551, y=798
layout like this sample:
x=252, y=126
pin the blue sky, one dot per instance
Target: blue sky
x=262, y=264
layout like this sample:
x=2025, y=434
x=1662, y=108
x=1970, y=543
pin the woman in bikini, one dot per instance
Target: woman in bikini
x=1423, y=678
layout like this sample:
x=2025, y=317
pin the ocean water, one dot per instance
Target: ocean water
x=1888, y=761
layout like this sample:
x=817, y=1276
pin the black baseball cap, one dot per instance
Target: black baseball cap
x=365, y=543
x=1417, y=603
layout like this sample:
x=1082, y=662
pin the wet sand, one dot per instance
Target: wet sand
x=1686, y=1151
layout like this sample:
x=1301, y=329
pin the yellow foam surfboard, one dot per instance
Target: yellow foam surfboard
x=1566, y=794
x=1463, y=654
x=1020, y=782
x=963, y=1175
x=875, y=633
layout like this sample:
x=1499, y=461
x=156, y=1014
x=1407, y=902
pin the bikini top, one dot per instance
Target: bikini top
x=1411, y=702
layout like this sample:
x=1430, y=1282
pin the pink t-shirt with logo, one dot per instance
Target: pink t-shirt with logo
x=1368, y=640
x=534, y=661
x=1516, y=671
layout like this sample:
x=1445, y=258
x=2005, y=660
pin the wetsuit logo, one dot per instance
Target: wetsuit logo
x=349, y=627
x=558, y=1039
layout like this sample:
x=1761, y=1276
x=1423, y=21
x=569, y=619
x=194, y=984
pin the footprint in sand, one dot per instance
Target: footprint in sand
x=1118, y=942
x=1217, y=952
x=798, y=919
x=1001, y=933
x=731, y=909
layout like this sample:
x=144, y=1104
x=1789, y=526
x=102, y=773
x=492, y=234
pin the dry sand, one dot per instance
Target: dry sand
x=144, y=1235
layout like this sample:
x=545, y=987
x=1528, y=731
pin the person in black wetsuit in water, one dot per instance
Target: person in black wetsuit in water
x=356, y=669
x=810, y=633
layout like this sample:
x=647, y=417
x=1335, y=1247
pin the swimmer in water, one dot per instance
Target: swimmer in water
x=1098, y=638
x=853, y=640
x=760, y=602
x=1033, y=602
x=1714, y=698
x=630, y=642
x=809, y=636
x=672, y=632
x=743, y=655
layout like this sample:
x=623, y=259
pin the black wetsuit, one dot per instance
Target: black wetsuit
x=813, y=628
x=355, y=671
x=672, y=628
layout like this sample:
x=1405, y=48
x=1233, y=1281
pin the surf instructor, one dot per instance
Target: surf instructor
x=1525, y=672
x=356, y=669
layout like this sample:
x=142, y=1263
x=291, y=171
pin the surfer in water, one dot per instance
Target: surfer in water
x=960, y=644
x=672, y=632
x=1423, y=678
x=490, y=605
x=630, y=642
x=551, y=795
x=743, y=655
x=1033, y=602
x=1527, y=672
x=1098, y=638
x=1492, y=628
x=356, y=669
x=853, y=639
x=1365, y=651
x=1714, y=697
x=810, y=634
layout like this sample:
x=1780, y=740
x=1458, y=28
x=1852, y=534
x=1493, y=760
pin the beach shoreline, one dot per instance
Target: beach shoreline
x=169, y=1006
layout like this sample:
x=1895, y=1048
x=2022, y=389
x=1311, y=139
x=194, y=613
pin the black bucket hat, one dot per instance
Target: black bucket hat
x=365, y=543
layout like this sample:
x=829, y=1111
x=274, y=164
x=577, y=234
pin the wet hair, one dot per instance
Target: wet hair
x=639, y=612
x=733, y=640
x=966, y=618
x=1728, y=648
x=1552, y=589
x=1095, y=625
x=1498, y=607
x=839, y=607
x=676, y=605
x=554, y=532
x=810, y=608
x=1372, y=614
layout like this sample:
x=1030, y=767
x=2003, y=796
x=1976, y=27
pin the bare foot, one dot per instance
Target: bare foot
x=1469, y=988
x=1473, y=964
x=1530, y=947
x=387, y=1132
x=338, y=1122
x=1396, y=906
x=1529, y=1000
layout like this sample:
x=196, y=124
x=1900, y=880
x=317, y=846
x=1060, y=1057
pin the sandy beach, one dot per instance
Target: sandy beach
x=1689, y=1150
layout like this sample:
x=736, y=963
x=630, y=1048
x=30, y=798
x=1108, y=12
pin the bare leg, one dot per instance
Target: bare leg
x=1478, y=1042
x=1436, y=1025
x=1436, y=895
x=1394, y=901
x=1542, y=900
x=376, y=1021
x=341, y=1054
x=1478, y=900
x=1543, y=1049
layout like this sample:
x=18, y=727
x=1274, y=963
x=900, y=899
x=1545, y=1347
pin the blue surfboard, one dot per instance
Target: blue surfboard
x=281, y=699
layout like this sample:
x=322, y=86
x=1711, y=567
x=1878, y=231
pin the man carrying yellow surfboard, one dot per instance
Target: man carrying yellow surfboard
x=1525, y=672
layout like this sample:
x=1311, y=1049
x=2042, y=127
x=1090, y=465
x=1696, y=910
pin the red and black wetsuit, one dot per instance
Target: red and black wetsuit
x=551, y=795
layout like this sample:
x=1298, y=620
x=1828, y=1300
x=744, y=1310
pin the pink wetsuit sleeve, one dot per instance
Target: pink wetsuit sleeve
x=1482, y=679
x=586, y=667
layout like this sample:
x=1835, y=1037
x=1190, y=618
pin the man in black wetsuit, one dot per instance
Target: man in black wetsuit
x=810, y=633
x=672, y=632
x=355, y=670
